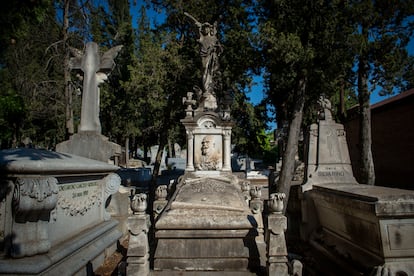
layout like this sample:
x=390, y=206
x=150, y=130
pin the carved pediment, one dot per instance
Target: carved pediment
x=208, y=124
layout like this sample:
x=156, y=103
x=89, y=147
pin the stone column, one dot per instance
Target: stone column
x=227, y=150
x=190, y=151
x=138, y=247
x=160, y=200
x=256, y=206
x=275, y=237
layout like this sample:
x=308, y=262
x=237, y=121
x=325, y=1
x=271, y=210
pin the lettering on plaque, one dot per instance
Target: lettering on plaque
x=77, y=199
x=331, y=173
x=340, y=132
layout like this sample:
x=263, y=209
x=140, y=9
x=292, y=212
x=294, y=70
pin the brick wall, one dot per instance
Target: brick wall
x=392, y=140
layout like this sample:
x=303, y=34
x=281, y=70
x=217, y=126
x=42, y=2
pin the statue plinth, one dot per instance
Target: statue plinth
x=91, y=144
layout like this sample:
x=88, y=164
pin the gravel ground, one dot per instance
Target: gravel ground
x=110, y=265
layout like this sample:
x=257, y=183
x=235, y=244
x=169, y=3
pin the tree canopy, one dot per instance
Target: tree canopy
x=341, y=49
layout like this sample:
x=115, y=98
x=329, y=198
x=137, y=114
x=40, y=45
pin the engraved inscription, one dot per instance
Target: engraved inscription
x=77, y=199
x=331, y=173
x=77, y=186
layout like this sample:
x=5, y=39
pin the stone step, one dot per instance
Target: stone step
x=201, y=273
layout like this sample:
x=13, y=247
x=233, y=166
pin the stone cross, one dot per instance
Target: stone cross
x=96, y=69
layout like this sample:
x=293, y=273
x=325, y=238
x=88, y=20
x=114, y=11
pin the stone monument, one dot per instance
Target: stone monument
x=327, y=156
x=89, y=142
x=54, y=218
x=207, y=225
x=359, y=229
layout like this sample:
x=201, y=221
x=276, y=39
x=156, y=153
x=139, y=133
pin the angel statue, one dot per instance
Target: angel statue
x=210, y=50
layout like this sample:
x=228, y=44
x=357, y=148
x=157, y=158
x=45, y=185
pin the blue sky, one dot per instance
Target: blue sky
x=257, y=92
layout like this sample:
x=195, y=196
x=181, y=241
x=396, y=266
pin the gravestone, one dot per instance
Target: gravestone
x=177, y=150
x=154, y=152
x=89, y=142
x=177, y=163
x=327, y=155
x=360, y=229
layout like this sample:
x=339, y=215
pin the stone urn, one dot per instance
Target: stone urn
x=139, y=203
x=245, y=187
x=256, y=192
x=276, y=202
x=161, y=192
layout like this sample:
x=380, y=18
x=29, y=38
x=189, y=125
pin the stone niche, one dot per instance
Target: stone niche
x=53, y=212
x=208, y=142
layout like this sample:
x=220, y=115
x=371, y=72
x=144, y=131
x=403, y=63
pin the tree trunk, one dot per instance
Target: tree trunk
x=158, y=159
x=126, y=152
x=70, y=129
x=367, y=174
x=288, y=161
x=342, y=102
x=170, y=148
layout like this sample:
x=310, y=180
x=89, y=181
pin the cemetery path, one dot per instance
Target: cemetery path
x=112, y=264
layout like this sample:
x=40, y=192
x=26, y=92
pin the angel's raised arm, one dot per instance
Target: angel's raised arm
x=198, y=24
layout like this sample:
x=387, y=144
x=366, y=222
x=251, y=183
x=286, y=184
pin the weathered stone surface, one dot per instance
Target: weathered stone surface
x=327, y=155
x=203, y=248
x=34, y=161
x=53, y=212
x=195, y=264
x=374, y=225
x=95, y=69
x=276, y=245
x=207, y=203
x=206, y=226
x=357, y=227
x=386, y=201
x=208, y=152
x=212, y=156
x=91, y=145
x=138, y=245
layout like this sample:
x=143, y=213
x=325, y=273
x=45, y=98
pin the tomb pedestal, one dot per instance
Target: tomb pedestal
x=369, y=227
x=360, y=229
x=91, y=144
x=53, y=213
x=206, y=226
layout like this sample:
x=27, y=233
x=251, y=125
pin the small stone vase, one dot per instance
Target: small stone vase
x=139, y=203
x=276, y=202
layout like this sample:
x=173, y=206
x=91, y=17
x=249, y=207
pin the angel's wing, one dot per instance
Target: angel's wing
x=75, y=62
x=107, y=59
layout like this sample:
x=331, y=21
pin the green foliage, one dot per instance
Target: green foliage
x=239, y=61
x=249, y=134
x=154, y=86
x=303, y=39
x=381, y=32
x=292, y=40
x=11, y=114
x=28, y=73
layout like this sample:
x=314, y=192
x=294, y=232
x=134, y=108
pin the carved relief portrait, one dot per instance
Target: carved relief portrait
x=208, y=153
